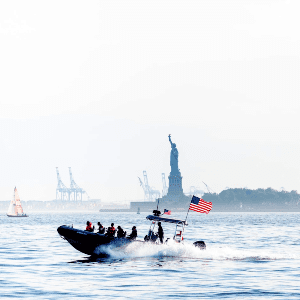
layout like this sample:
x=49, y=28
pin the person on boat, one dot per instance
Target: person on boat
x=120, y=232
x=89, y=227
x=133, y=234
x=111, y=230
x=160, y=232
x=101, y=229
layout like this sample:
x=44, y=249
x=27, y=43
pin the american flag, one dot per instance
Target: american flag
x=167, y=212
x=199, y=205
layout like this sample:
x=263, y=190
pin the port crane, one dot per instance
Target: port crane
x=75, y=191
x=149, y=193
x=62, y=192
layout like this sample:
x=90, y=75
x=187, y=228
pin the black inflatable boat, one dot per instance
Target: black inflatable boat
x=90, y=243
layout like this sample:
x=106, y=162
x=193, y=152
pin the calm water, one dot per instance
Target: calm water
x=248, y=256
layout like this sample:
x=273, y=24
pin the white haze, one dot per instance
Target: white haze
x=99, y=85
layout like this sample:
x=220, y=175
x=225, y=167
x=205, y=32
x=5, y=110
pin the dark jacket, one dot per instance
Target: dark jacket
x=133, y=234
x=121, y=232
x=101, y=229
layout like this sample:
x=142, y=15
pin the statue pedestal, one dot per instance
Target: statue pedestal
x=175, y=185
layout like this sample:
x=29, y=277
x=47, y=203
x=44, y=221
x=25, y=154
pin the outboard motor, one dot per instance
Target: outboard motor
x=200, y=244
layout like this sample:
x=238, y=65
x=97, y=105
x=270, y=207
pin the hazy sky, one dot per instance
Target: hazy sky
x=99, y=85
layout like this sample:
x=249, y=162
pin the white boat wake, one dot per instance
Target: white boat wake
x=189, y=251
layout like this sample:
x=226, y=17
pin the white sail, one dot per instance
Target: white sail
x=11, y=210
x=15, y=207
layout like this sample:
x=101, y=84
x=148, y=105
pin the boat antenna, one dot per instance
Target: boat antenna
x=157, y=203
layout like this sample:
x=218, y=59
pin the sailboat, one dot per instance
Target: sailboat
x=15, y=208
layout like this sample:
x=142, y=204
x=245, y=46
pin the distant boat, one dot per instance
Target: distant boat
x=138, y=211
x=15, y=208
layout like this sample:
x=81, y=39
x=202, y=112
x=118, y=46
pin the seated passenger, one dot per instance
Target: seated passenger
x=89, y=227
x=120, y=232
x=133, y=233
x=101, y=229
x=111, y=230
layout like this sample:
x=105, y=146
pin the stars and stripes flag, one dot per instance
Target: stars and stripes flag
x=167, y=212
x=199, y=205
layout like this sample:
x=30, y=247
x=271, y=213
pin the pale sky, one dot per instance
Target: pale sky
x=99, y=85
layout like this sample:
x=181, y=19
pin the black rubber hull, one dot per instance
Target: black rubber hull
x=17, y=216
x=88, y=242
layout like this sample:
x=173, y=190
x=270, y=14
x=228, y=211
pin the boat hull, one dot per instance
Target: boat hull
x=89, y=242
x=17, y=216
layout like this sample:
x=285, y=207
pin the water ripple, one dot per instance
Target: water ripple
x=248, y=256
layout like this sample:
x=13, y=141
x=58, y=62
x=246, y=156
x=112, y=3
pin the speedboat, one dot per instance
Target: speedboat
x=91, y=242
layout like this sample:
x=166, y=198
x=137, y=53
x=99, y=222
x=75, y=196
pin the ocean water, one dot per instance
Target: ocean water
x=248, y=256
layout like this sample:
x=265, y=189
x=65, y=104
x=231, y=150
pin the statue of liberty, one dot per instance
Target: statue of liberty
x=174, y=158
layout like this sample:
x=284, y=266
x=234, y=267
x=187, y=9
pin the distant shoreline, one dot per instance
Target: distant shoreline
x=230, y=200
x=3, y=213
